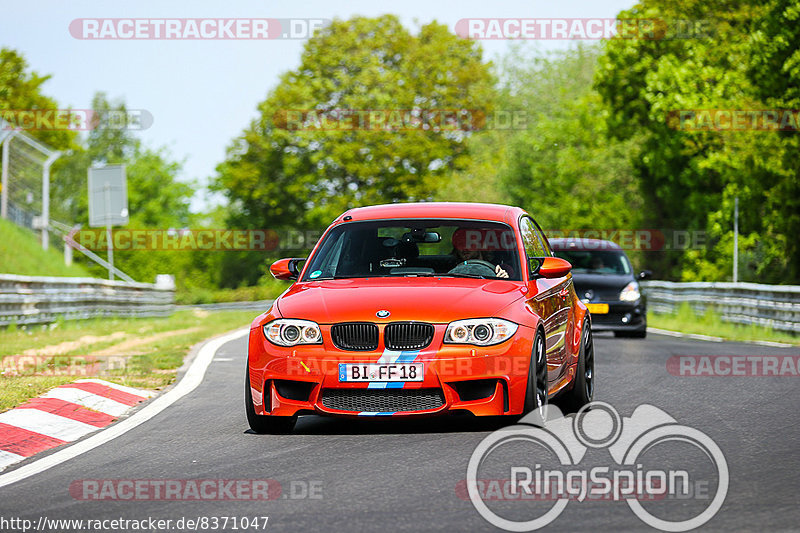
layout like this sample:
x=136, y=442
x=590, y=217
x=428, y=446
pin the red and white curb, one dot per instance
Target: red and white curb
x=62, y=415
x=190, y=381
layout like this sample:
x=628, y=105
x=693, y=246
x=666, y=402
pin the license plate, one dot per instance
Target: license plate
x=381, y=372
x=598, y=309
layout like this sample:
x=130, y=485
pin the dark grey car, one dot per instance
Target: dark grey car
x=604, y=280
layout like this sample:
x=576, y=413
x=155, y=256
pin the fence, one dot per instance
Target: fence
x=258, y=305
x=25, y=186
x=40, y=300
x=774, y=306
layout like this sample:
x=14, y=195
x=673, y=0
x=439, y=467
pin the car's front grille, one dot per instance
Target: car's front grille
x=355, y=336
x=382, y=400
x=407, y=335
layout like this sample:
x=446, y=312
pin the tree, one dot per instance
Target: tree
x=276, y=175
x=689, y=179
x=563, y=168
x=21, y=90
x=156, y=198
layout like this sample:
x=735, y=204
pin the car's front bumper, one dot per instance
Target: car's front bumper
x=305, y=379
x=621, y=316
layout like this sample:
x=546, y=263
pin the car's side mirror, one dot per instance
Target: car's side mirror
x=286, y=269
x=645, y=274
x=552, y=267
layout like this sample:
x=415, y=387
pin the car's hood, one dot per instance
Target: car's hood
x=435, y=300
x=602, y=285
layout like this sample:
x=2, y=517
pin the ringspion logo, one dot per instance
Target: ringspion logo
x=672, y=477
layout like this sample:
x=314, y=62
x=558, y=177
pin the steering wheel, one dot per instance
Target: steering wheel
x=479, y=267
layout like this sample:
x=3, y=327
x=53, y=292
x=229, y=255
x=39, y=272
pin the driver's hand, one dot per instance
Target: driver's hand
x=499, y=272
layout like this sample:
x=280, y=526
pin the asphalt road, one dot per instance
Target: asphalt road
x=388, y=475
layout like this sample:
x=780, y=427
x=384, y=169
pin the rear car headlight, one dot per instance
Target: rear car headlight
x=290, y=332
x=479, y=331
x=630, y=293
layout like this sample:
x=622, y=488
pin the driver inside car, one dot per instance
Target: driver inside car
x=468, y=247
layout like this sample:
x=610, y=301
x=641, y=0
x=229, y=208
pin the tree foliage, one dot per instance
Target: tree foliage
x=277, y=176
x=563, y=168
x=689, y=179
x=21, y=90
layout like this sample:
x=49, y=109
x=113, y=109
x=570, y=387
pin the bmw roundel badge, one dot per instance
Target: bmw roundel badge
x=383, y=313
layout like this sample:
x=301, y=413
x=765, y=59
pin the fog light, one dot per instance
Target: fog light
x=626, y=318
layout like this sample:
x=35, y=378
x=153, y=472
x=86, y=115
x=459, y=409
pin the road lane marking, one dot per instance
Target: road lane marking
x=699, y=337
x=193, y=377
x=695, y=336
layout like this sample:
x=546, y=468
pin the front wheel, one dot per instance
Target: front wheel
x=582, y=391
x=262, y=424
x=536, y=392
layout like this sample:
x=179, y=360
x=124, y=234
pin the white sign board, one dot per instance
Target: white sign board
x=108, y=196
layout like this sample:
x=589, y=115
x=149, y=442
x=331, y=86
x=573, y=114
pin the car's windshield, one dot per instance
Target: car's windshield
x=596, y=261
x=457, y=248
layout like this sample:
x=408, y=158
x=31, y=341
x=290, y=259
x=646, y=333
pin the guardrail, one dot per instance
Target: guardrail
x=258, y=305
x=41, y=300
x=773, y=306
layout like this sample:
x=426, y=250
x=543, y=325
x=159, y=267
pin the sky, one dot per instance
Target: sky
x=203, y=93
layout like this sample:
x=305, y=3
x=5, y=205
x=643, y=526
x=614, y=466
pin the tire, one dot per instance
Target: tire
x=264, y=424
x=582, y=391
x=537, y=390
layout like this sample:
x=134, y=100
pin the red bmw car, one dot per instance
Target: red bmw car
x=416, y=310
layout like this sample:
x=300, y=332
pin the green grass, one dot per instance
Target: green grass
x=267, y=290
x=152, y=365
x=21, y=253
x=710, y=323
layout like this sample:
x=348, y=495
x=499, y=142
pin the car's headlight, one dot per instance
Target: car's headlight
x=479, y=331
x=289, y=332
x=630, y=293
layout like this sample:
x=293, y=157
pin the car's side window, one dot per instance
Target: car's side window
x=535, y=248
x=546, y=245
x=534, y=243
